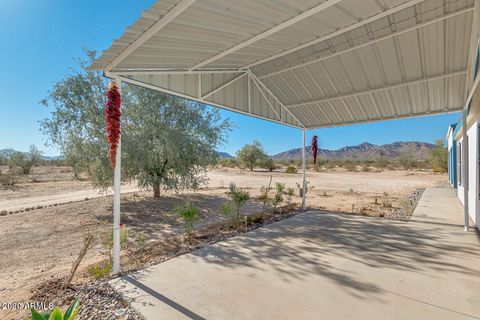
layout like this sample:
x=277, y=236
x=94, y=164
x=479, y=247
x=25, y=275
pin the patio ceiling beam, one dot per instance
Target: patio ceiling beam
x=254, y=77
x=157, y=26
x=226, y=84
x=269, y=32
x=193, y=98
x=370, y=91
x=174, y=71
x=350, y=49
x=336, y=33
x=408, y=116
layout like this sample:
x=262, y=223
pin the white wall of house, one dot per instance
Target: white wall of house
x=472, y=171
x=473, y=203
x=460, y=172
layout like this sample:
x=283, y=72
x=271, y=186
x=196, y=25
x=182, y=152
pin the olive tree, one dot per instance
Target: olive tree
x=167, y=142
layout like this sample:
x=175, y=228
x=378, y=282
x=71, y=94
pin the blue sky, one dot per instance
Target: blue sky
x=40, y=39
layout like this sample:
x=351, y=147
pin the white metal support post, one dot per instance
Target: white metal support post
x=116, y=203
x=304, y=182
x=465, y=168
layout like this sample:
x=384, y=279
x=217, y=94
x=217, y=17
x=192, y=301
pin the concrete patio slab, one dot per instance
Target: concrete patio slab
x=324, y=266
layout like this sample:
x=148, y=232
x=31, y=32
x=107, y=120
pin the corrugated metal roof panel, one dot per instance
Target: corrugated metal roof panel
x=355, y=62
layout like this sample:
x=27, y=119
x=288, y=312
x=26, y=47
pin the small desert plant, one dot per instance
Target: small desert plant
x=386, y=202
x=189, y=213
x=265, y=194
x=278, y=197
x=381, y=163
x=407, y=206
x=330, y=165
x=56, y=314
x=8, y=179
x=290, y=193
x=228, y=214
x=351, y=191
x=142, y=241
x=307, y=188
x=291, y=169
x=99, y=271
x=107, y=241
x=363, y=211
x=239, y=198
x=89, y=241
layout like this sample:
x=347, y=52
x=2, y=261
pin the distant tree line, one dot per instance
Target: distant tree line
x=253, y=156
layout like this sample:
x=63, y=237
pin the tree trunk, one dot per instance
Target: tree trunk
x=156, y=190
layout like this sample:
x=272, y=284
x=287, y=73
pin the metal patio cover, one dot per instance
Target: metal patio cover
x=303, y=63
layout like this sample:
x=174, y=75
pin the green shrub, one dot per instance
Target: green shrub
x=56, y=314
x=291, y=169
x=290, y=193
x=269, y=164
x=189, y=213
x=381, y=163
x=228, y=162
x=239, y=197
x=264, y=196
x=107, y=243
x=100, y=271
x=349, y=165
x=407, y=161
x=278, y=197
x=227, y=212
x=142, y=241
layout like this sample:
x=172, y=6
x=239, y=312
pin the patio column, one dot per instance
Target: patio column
x=465, y=168
x=304, y=181
x=116, y=203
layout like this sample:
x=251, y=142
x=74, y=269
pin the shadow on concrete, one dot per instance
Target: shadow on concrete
x=376, y=243
x=186, y=312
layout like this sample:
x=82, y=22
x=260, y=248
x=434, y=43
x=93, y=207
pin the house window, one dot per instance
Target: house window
x=459, y=163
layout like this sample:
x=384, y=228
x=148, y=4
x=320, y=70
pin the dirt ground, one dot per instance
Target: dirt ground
x=40, y=244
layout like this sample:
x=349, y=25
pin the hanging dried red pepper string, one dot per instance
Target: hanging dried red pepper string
x=112, y=115
x=314, y=149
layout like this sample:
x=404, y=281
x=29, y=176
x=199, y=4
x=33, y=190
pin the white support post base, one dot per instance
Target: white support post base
x=304, y=181
x=116, y=206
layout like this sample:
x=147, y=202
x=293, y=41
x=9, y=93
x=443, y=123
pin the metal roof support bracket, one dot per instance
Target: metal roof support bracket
x=254, y=77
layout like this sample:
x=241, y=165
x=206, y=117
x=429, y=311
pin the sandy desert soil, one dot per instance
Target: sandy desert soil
x=41, y=244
